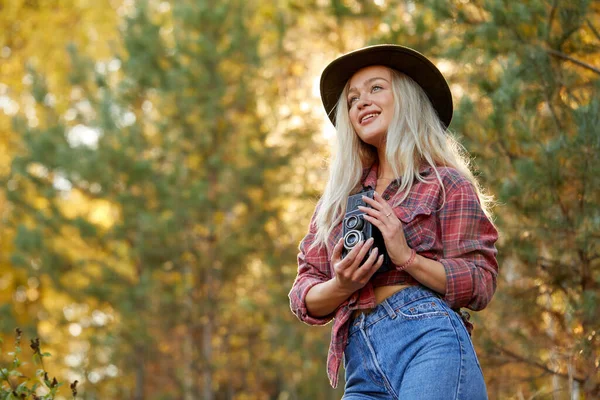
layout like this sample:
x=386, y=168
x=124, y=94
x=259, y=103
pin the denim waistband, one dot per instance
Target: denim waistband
x=397, y=300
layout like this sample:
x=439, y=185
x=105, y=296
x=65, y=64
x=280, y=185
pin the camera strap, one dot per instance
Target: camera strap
x=366, y=189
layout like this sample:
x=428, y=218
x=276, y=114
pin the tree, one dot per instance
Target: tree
x=158, y=185
x=24, y=41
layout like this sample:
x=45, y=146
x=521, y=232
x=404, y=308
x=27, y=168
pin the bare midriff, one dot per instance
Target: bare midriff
x=382, y=293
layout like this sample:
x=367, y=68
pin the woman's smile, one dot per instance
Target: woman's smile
x=368, y=118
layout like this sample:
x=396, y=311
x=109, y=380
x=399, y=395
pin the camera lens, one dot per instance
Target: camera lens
x=355, y=222
x=352, y=238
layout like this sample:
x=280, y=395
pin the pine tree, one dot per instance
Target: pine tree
x=530, y=114
x=168, y=157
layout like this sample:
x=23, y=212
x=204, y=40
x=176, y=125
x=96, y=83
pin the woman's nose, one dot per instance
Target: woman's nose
x=364, y=101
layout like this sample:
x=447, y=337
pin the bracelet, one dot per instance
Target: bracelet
x=413, y=255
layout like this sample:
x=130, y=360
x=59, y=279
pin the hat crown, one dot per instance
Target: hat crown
x=403, y=59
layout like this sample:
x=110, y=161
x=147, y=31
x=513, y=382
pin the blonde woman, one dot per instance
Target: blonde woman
x=400, y=240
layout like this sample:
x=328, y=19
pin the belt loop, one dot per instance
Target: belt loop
x=361, y=322
x=388, y=309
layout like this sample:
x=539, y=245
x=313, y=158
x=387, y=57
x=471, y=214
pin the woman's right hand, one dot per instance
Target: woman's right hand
x=350, y=275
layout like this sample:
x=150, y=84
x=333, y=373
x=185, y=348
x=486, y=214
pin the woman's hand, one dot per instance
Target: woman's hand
x=382, y=216
x=350, y=275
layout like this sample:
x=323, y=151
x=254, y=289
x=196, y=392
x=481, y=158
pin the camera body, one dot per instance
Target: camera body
x=356, y=228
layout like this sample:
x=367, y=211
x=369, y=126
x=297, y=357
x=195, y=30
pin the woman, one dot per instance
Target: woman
x=395, y=328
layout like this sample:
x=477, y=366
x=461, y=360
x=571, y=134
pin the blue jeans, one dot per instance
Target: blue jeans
x=412, y=346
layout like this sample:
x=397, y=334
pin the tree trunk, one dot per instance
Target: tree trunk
x=188, y=341
x=554, y=357
x=208, y=320
x=206, y=355
x=210, y=288
x=140, y=374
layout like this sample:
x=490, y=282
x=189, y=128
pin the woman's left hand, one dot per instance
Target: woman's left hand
x=381, y=215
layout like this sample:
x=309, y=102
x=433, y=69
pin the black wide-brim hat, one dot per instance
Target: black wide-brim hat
x=403, y=59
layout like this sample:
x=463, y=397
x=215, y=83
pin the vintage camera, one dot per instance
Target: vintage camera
x=356, y=228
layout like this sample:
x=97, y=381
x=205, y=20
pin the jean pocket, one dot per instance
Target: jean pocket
x=428, y=307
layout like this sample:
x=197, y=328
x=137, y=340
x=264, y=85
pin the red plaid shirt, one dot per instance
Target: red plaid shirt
x=458, y=235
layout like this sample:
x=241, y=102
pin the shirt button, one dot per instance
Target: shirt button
x=386, y=196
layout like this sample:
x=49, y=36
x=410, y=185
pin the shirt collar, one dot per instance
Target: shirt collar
x=369, y=174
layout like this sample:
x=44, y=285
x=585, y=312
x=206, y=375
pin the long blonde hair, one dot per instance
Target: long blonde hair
x=416, y=136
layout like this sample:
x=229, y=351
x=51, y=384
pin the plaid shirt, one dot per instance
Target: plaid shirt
x=458, y=235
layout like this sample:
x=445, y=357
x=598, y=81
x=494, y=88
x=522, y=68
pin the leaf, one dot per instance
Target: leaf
x=22, y=388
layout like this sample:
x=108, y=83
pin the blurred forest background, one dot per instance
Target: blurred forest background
x=160, y=161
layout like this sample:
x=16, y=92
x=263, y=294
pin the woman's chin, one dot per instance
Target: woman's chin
x=376, y=141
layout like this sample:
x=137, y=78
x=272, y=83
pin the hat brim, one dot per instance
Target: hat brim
x=403, y=59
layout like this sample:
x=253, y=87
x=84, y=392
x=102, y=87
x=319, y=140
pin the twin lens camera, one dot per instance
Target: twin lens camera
x=357, y=229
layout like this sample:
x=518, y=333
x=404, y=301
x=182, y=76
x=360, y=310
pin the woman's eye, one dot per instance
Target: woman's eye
x=352, y=99
x=376, y=88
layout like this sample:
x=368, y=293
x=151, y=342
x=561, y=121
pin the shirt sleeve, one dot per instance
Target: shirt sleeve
x=313, y=268
x=469, y=256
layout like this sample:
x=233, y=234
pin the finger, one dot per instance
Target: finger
x=371, y=211
x=378, y=198
x=376, y=221
x=363, y=252
x=372, y=257
x=372, y=202
x=377, y=262
x=386, y=209
x=372, y=264
x=350, y=259
x=337, y=249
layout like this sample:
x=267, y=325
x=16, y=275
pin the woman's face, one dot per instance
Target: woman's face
x=371, y=104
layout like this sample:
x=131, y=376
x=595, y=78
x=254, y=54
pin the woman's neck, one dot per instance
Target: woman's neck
x=384, y=171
